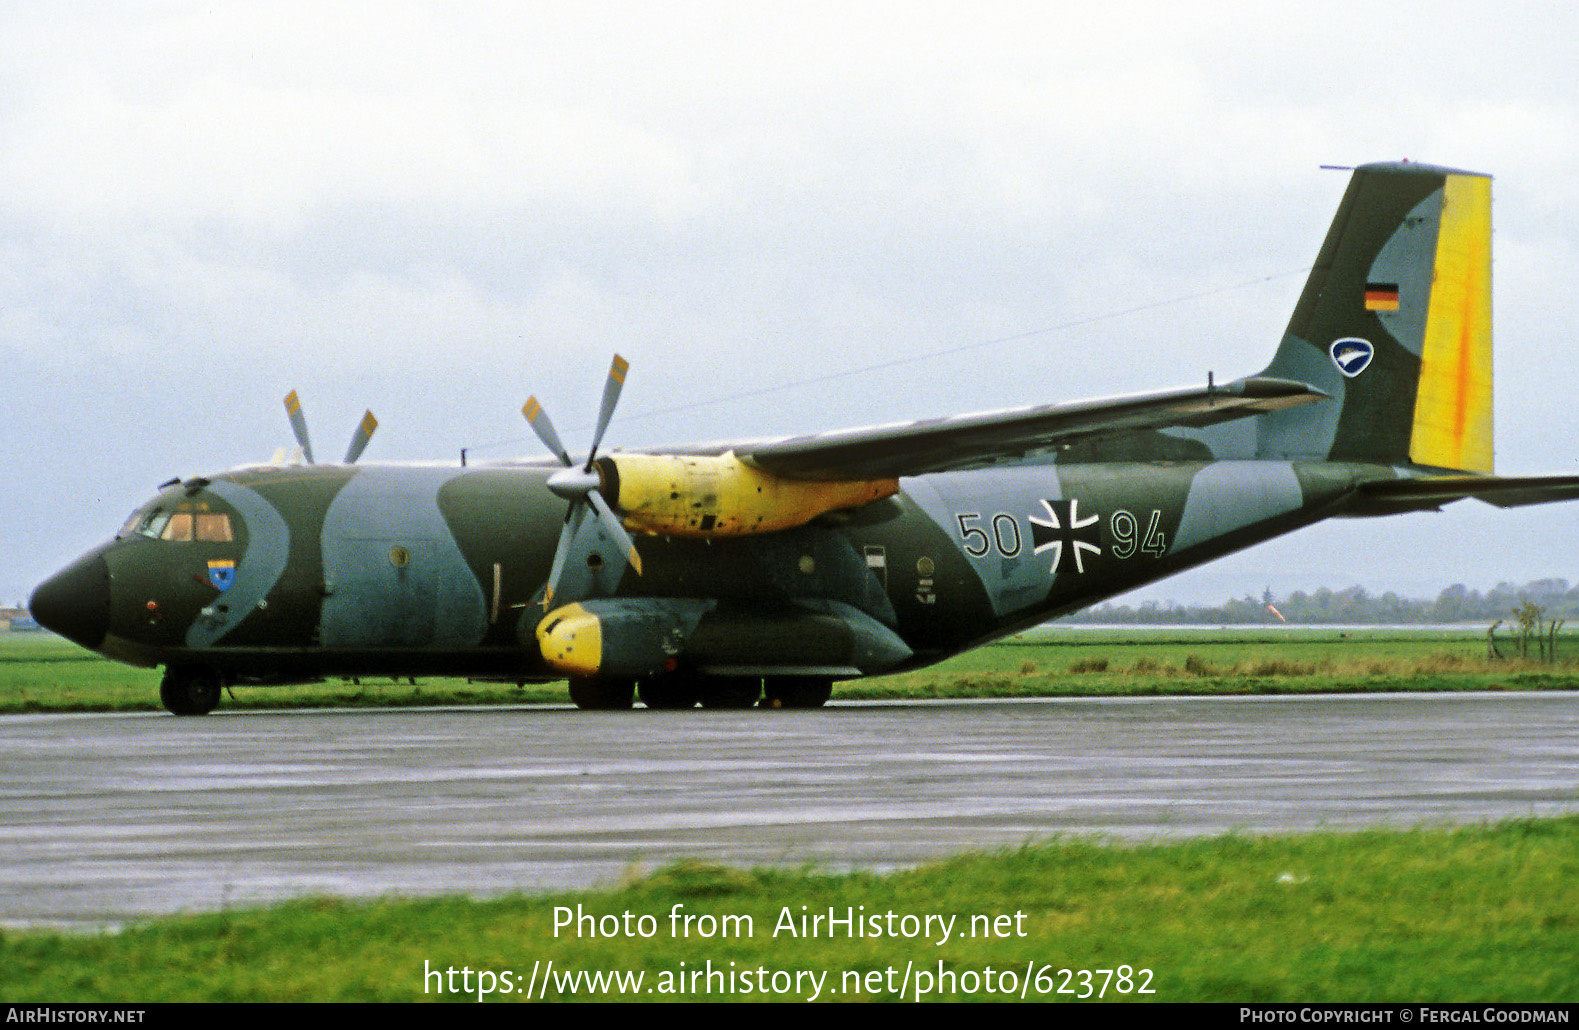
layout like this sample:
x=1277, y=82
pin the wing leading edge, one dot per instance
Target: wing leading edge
x=965, y=441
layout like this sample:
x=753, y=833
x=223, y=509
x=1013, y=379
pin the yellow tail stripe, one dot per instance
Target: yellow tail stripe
x=1452, y=425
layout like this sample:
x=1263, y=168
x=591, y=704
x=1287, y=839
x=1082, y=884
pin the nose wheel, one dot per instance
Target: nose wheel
x=188, y=691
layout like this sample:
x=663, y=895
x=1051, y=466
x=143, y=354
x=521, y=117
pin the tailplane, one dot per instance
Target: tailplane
x=1395, y=324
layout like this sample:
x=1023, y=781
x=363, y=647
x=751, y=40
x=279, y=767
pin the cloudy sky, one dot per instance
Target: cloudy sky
x=787, y=216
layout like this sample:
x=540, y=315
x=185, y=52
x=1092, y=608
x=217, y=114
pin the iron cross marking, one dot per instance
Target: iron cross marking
x=1062, y=526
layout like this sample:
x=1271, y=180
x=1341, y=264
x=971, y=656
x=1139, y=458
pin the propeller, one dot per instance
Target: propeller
x=359, y=439
x=582, y=486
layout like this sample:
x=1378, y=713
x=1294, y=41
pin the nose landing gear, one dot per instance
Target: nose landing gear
x=186, y=690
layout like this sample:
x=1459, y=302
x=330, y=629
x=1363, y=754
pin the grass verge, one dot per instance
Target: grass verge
x=1469, y=914
x=40, y=672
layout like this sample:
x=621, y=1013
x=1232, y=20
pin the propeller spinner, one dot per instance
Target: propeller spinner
x=359, y=439
x=582, y=486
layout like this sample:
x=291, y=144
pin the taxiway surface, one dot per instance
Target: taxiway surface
x=109, y=817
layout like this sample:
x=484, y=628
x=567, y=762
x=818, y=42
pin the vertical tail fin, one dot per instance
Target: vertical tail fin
x=1395, y=324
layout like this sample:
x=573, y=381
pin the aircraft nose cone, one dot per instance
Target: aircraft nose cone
x=75, y=602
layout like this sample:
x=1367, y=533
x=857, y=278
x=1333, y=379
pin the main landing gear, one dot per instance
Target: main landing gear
x=591, y=692
x=186, y=690
x=680, y=690
x=796, y=691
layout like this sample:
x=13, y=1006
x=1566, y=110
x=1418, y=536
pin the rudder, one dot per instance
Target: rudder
x=1395, y=324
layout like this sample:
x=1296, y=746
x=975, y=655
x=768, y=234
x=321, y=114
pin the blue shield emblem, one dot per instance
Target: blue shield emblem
x=1352, y=355
x=222, y=575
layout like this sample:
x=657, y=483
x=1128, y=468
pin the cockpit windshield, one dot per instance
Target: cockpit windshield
x=186, y=522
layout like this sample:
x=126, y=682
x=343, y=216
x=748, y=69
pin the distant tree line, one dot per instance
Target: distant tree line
x=1353, y=605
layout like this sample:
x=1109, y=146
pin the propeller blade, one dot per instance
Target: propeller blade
x=611, y=396
x=538, y=418
x=582, y=487
x=364, y=433
x=562, y=552
x=612, y=526
x=293, y=409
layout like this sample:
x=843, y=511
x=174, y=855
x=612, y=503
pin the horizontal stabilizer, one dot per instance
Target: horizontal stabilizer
x=1503, y=491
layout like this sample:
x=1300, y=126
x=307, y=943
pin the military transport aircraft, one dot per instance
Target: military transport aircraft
x=767, y=570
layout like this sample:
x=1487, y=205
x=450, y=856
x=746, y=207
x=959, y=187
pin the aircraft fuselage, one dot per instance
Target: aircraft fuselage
x=407, y=570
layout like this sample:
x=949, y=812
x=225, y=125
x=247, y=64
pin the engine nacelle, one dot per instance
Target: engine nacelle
x=720, y=495
x=618, y=636
x=642, y=636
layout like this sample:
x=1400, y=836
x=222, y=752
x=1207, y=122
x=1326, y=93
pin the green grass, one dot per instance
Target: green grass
x=1471, y=914
x=1140, y=661
x=40, y=672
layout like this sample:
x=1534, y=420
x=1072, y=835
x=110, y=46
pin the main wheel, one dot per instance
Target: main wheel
x=730, y=691
x=797, y=692
x=187, y=691
x=676, y=690
x=591, y=692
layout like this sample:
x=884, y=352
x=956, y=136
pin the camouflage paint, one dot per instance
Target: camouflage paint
x=394, y=575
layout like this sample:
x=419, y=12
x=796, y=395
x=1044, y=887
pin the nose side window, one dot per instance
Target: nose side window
x=134, y=522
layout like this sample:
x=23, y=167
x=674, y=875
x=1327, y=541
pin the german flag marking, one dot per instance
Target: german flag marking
x=1381, y=296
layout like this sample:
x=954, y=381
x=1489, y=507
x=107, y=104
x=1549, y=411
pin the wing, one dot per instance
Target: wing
x=963, y=441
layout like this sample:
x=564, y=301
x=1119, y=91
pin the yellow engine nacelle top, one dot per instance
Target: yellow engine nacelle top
x=720, y=495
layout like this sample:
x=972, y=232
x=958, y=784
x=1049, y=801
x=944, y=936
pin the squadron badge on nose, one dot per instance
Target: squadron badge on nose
x=222, y=574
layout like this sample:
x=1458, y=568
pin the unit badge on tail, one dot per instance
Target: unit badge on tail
x=1352, y=355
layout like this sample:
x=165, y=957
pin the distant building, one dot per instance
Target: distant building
x=16, y=620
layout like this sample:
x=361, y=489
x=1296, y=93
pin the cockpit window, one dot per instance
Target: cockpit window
x=133, y=521
x=179, y=527
x=214, y=527
x=188, y=522
x=154, y=524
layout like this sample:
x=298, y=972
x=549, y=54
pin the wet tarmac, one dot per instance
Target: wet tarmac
x=104, y=818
